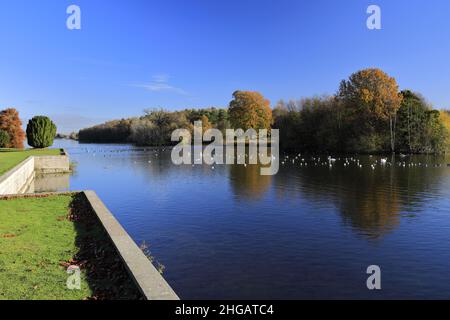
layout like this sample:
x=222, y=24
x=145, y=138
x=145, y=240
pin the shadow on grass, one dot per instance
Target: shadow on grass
x=27, y=150
x=11, y=150
x=105, y=271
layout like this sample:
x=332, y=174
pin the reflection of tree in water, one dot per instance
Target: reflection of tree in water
x=371, y=201
x=247, y=182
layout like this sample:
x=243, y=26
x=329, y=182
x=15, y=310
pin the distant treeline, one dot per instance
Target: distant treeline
x=155, y=127
x=70, y=136
x=368, y=114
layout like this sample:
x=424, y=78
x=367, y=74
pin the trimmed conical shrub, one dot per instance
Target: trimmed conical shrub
x=41, y=132
x=4, y=139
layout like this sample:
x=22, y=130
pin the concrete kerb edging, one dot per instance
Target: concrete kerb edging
x=151, y=283
x=148, y=280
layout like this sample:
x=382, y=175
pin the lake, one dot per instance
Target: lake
x=308, y=232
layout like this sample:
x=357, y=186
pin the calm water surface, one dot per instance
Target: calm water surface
x=308, y=232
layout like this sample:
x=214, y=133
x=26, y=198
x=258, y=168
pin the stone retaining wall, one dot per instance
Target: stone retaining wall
x=17, y=180
x=52, y=164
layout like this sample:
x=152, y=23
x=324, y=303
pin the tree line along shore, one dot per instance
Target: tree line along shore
x=368, y=114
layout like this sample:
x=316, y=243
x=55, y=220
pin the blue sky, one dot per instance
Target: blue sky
x=136, y=54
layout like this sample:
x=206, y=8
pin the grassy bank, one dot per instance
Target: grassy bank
x=9, y=158
x=41, y=237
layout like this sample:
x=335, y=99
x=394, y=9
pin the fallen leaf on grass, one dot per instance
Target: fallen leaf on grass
x=8, y=236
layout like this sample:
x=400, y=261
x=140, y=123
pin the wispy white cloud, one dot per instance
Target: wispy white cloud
x=161, y=78
x=160, y=83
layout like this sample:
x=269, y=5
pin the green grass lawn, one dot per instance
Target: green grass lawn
x=9, y=158
x=39, y=236
x=34, y=240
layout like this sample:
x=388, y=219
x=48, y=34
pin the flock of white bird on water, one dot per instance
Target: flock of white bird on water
x=353, y=161
x=314, y=161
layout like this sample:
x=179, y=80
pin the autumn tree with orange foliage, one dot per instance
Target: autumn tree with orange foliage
x=372, y=96
x=10, y=122
x=206, y=125
x=249, y=109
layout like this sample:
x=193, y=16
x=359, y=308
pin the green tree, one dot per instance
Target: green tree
x=288, y=121
x=41, y=132
x=445, y=118
x=320, y=128
x=222, y=120
x=248, y=110
x=420, y=129
x=4, y=139
x=412, y=119
x=435, y=133
x=163, y=123
x=116, y=131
